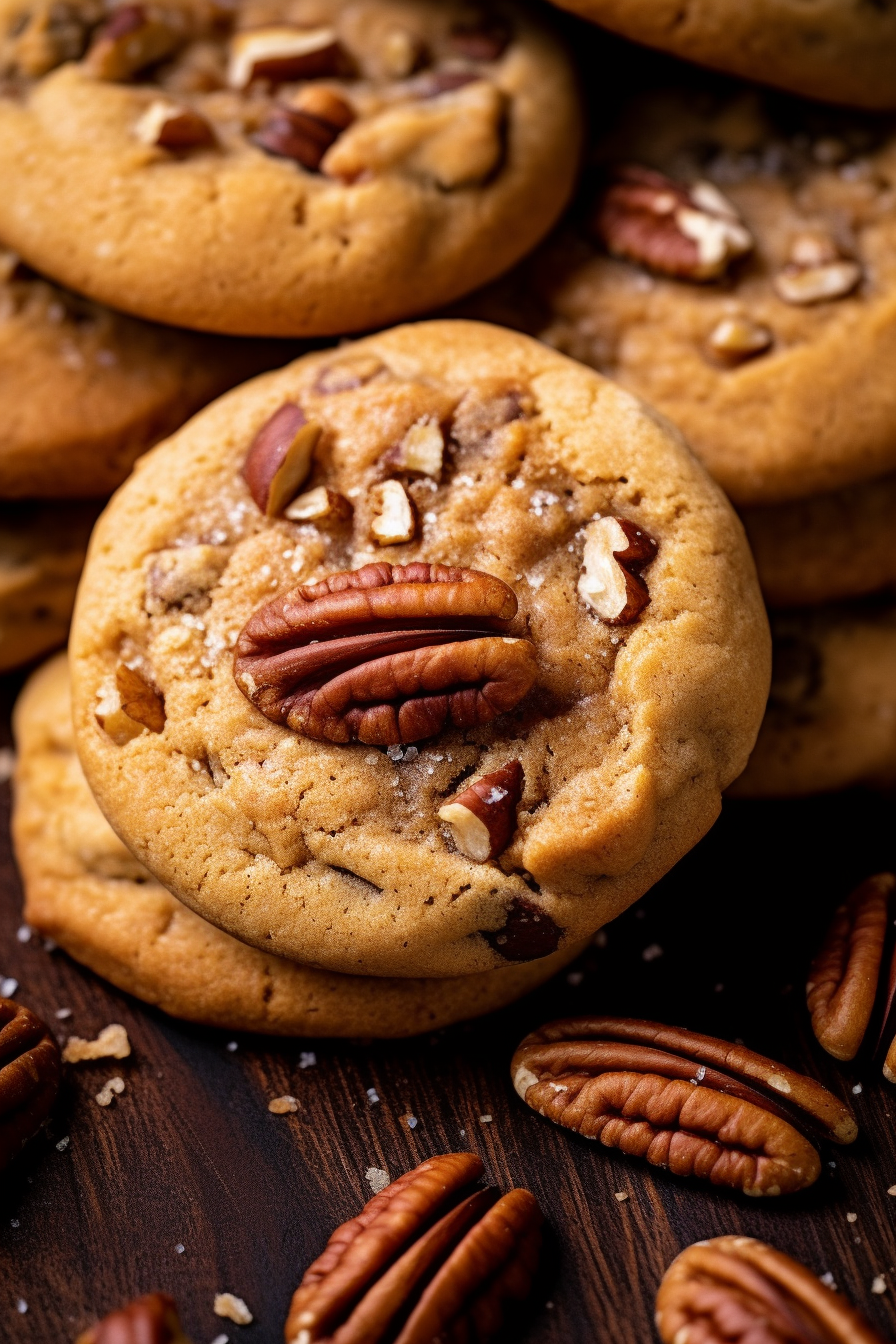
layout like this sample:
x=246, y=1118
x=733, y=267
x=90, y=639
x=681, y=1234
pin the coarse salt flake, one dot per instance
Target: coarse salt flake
x=376, y=1178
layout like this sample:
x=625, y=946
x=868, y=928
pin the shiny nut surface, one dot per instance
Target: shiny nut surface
x=428, y=1258
x=279, y=458
x=482, y=816
x=616, y=550
x=736, y=1290
x=30, y=1068
x=385, y=654
x=151, y=1319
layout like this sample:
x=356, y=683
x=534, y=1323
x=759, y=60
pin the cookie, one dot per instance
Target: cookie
x=282, y=169
x=84, y=391
x=42, y=550
x=733, y=261
x=86, y=892
x=826, y=548
x=839, y=53
x=831, y=719
x=438, y=754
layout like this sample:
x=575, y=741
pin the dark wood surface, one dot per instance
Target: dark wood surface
x=190, y=1157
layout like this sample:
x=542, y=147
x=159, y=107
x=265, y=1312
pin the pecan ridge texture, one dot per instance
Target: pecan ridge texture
x=736, y=1290
x=429, y=1258
x=30, y=1068
x=386, y=654
x=694, y=1104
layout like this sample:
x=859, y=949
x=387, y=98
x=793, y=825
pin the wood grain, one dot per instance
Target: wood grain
x=190, y=1156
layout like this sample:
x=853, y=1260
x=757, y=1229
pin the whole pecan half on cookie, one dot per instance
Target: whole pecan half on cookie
x=386, y=654
x=736, y=1290
x=428, y=1258
x=151, y=1319
x=853, y=978
x=694, y=1104
x=30, y=1067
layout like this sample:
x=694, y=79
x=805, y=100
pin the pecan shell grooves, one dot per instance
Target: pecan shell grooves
x=847, y=980
x=386, y=654
x=406, y=1270
x=30, y=1068
x=736, y=1290
x=691, y=1103
x=152, y=1319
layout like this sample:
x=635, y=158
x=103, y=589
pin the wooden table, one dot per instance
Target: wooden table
x=188, y=1183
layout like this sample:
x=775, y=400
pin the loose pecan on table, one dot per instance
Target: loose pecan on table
x=689, y=232
x=429, y=1258
x=386, y=654
x=152, y=1319
x=694, y=1104
x=616, y=550
x=30, y=1068
x=735, y=1290
x=854, y=974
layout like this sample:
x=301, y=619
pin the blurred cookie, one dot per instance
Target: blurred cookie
x=282, y=168
x=841, y=53
x=831, y=718
x=84, y=390
x=526, y=652
x=85, y=891
x=826, y=548
x=42, y=550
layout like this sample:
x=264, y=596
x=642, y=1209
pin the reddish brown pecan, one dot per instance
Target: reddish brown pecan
x=134, y=37
x=386, y=654
x=482, y=816
x=616, y=549
x=428, y=1258
x=735, y=1290
x=846, y=979
x=306, y=131
x=140, y=701
x=152, y=1319
x=279, y=458
x=30, y=1067
x=697, y=1105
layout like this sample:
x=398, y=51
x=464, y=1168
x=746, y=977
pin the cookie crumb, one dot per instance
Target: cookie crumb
x=485, y=1119
x=851, y=1217
x=376, y=1178
x=891, y=1190
x=233, y=1309
x=878, y=1284
x=107, y=1094
x=112, y=1043
x=283, y=1105
x=307, y=1059
x=621, y=1196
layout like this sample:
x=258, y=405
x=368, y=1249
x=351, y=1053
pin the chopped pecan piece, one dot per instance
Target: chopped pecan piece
x=484, y=39
x=134, y=37
x=691, y=233
x=281, y=54
x=742, y=1291
x=734, y=340
x=152, y=1319
x=30, y=1068
x=394, y=515
x=421, y=451
x=279, y=459
x=483, y=816
x=428, y=1258
x=129, y=705
x=181, y=576
x=173, y=126
x=305, y=131
x=53, y=33
x=386, y=654
x=816, y=272
x=317, y=504
x=691, y=1103
x=854, y=971
x=615, y=549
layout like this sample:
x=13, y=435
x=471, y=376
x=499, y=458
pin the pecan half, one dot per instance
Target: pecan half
x=279, y=458
x=386, y=654
x=427, y=1258
x=152, y=1319
x=615, y=550
x=689, y=232
x=483, y=816
x=305, y=131
x=691, y=1103
x=734, y=340
x=280, y=53
x=848, y=979
x=735, y=1290
x=30, y=1066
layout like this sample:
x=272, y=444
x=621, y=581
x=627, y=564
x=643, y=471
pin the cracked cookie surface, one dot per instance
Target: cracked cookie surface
x=329, y=850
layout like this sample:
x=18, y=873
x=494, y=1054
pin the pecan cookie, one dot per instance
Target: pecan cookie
x=86, y=892
x=419, y=656
x=287, y=167
x=732, y=260
x=831, y=718
x=84, y=391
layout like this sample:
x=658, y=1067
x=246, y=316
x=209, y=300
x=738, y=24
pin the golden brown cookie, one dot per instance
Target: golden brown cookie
x=84, y=390
x=732, y=259
x=826, y=548
x=831, y=718
x=42, y=550
x=86, y=892
x=441, y=753
x=287, y=167
x=841, y=53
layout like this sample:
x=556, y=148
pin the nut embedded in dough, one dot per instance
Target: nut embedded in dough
x=317, y=504
x=394, y=515
x=279, y=460
x=483, y=817
x=281, y=53
x=615, y=548
x=173, y=126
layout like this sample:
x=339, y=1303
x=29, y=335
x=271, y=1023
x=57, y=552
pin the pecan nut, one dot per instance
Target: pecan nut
x=816, y=272
x=483, y=816
x=30, y=1067
x=172, y=126
x=691, y=1103
x=616, y=550
x=305, y=131
x=279, y=458
x=386, y=654
x=151, y=1319
x=427, y=1258
x=280, y=54
x=689, y=232
x=134, y=37
x=847, y=977
x=740, y=1290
